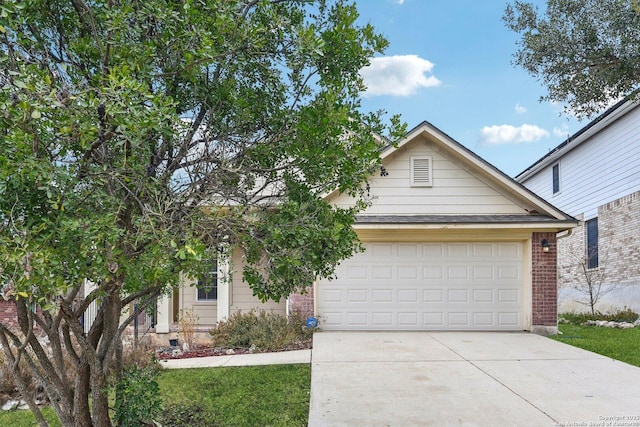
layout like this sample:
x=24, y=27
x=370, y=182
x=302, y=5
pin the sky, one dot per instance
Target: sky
x=450, y=62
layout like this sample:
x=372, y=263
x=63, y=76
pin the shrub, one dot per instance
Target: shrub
x=624, y=315
x=137, y=397
x=262, y=332
x=8, y=386
x=141, y=356
x=188, y=321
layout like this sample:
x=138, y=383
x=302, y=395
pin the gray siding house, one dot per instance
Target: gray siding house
x=594, y=176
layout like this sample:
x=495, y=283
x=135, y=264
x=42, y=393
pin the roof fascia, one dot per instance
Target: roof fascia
x=546, y=226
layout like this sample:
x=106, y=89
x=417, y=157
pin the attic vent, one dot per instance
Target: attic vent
x=421, y=171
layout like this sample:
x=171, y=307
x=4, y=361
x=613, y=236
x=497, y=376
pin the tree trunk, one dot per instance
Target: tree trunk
x=81, y=409
x=99, y=401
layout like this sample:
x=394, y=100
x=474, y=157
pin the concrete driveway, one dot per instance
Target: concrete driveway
x=466, y=378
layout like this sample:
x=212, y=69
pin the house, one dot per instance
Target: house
x=595, y=176
x=451, y=243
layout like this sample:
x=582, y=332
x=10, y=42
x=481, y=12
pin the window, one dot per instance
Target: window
x=592, y=243
x=208, y=283
x=421, y=171
x=556, y=178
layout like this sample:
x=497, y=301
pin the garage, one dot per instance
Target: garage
x=427, y=286
x=451, y=243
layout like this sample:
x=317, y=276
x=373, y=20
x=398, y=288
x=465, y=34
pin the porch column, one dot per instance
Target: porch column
x=163, y=315
x=224, y=282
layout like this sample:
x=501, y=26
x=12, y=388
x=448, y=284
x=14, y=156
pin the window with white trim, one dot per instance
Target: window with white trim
x=421, y=171
x=208, y=283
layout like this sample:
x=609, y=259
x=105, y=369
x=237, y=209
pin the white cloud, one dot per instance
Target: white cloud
x=561, y=132
x=399, y=75
x=520, y=109
x=507, y=134
x=400, y=1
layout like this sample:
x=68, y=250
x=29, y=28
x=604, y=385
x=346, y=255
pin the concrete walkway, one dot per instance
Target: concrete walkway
x=469, y=379
x=280, y=358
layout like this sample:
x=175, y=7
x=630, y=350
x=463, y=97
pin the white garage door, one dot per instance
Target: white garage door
x=426, y=286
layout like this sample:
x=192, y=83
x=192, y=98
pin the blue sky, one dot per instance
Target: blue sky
x=449, y=62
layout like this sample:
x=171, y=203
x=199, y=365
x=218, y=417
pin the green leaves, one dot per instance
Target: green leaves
x=126, y=122
x=586, y=52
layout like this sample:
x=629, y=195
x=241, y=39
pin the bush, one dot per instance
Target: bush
x=261, y=332
x=137, y=397
x=188, y=321
x=8, y=386
x=141, y=356
x=624, y=315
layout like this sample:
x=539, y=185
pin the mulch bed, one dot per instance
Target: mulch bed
x=167, y=353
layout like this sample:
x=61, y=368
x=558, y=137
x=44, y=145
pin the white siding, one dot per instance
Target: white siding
x=600, y=170
x=455, y=190
x=206, y=311
x=242, y=298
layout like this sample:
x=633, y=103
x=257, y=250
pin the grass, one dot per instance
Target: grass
x=26, y=419
x=276, y=395
x=620, y=344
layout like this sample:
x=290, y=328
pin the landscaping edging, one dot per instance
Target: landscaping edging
x=607, y=323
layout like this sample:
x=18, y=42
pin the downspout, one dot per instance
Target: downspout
x=564, y=236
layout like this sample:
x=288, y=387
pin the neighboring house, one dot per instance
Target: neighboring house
x=595, y=176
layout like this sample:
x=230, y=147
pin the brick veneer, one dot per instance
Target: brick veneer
x=9, y=317
x=544, y=281
x=8, y=313
x=302, y=304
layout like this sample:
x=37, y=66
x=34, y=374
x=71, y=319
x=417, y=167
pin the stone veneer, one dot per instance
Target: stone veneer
x=618, y=256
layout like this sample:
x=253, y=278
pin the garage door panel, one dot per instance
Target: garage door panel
x=408, y=295
x=483, y=296
x=358, y=295
x=383, y=272
x=382, y=319
x=433, y=295
x=382, y=295
x=378, y=251
x=508, y=295
x=458, y=286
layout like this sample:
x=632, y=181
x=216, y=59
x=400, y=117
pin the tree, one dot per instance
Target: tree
x=586, y=52
x=591, y=284
x=136, y=136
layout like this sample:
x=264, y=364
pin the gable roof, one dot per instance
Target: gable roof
x=542, y=212
x=583, y=135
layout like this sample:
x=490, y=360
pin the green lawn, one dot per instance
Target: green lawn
x=620, y=344
x=275, y=395
x=25, y=418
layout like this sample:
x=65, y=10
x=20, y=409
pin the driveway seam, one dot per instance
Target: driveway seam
x=497, y=380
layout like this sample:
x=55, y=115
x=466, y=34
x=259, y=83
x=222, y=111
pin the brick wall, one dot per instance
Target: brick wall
x=8, y=313
x=302, y=303
x=544, y=279
x=618, y=253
